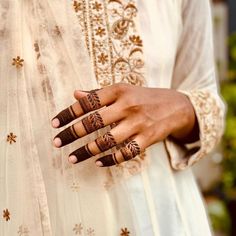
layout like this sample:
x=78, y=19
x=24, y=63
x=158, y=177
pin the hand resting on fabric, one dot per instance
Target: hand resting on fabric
x=143, y=116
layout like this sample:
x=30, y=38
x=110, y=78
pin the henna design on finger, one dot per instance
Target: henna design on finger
x=93, y=122
x=82, y=153
x=130, y=151
x=65, y=116
x=114, y=159
x=90, y=102
x=123, y=144
x=67, y=136
x=109, y=160
x=106, y=142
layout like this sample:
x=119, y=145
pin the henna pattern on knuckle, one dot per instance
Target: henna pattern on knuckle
x=93, y=122
x=66, y=116
x=106, y=142
x=68, y=135
x=130, y=151
x=90, y=102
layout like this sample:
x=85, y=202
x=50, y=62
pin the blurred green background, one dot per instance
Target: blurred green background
x=219, y=185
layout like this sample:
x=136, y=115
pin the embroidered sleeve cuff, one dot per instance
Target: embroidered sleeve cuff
x=210, y=114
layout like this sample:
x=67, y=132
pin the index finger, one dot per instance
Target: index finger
x=94, y=100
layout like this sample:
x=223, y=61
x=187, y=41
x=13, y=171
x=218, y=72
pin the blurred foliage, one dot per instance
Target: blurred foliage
x=228, y=90
x=232, y=57
x=229, y=140
x=218, y=213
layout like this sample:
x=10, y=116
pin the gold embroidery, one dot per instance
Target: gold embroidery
x=103, y=58
x=97, y=6
x=17, y=62
x=11, y=138
x=136, y=40
x=78, y=228
x=6, y=214
x=23, y=231
x=211, y=121
x=211, y=124
x=100, y=31
x=124, y=232
x=77, y=6
x=116, y=50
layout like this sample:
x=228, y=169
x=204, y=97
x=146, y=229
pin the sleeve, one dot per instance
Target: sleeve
x=195, y=76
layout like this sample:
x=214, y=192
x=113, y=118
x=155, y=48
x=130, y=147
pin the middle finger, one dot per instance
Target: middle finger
x=88, y=124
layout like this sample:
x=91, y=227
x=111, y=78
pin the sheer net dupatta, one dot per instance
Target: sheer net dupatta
x=42, y=61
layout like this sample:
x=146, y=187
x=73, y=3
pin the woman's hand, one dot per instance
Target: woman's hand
x=143, y=115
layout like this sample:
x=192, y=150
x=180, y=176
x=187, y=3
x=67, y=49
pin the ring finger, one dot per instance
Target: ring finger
x=114, y=137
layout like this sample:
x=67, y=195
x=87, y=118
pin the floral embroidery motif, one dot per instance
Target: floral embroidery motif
x=17, y=62
x=211, y=121
x=6, y=214
x=103, y=58
x=11, y=138
x=124, y=232
x=111, y=35
x=78, y=228
x=77, y=6
x=211, y=124
x=90, y=232
x=97, y=6
x=23, y=231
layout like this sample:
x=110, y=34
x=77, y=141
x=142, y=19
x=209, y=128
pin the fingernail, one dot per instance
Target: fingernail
x=57, y=142
x=55, y=123
x=73, y=159
x=99, y=163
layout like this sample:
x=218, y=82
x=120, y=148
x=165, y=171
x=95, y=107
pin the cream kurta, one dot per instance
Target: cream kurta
x=40, y=192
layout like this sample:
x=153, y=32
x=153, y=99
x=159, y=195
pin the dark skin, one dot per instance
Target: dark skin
x=146, y=115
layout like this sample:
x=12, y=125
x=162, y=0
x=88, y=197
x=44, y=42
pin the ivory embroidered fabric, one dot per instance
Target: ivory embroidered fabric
x=51, y=47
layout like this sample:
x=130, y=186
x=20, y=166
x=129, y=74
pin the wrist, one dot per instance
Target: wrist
x=189, y=132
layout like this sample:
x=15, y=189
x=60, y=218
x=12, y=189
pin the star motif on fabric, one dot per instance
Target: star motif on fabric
x=17, y=62
x=77, y=6
x=6, y=214
x=78, y=228
x=103, y=58
x=100, y=31
x=75, y=187
x=11, y=138
x=90, y=232
x=97, y=6
x=124, y=232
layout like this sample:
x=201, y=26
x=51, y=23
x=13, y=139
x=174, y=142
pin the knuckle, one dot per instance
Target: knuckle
x=121, y=88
